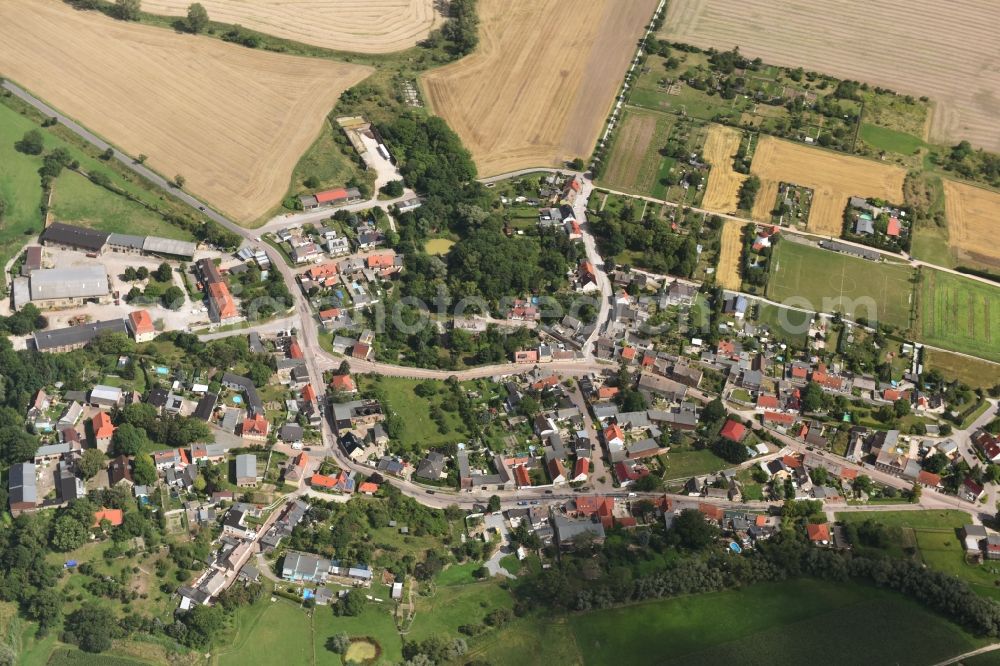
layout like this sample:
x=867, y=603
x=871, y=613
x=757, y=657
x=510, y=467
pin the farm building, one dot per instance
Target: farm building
x=246, y=470
x=334, y=197
x=56, y=287
x=22, y=490
x=75, y=337
x=69, y=237
x=221, y=305
x=140, y=325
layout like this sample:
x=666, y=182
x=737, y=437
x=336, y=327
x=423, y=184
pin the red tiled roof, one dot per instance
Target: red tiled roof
x=710, y=511
x=258, y=425
x=343, y=383
x=769, y=401
x=329, y=313
x=791, y=461
x=582, y=467
x=521, y=476
x=628, y=353
x=384, y=260
x=556, y=469
x=779, y=417
x=294, y=350
x=606, y=392
x=819, y=532
x=331, y=195
x=892, y=395
x=613, y=431
x=222, y=300
x=848, y=474
x=103, y=428
x=929, y=478
x=322, y=271
x=368, y=487
x=322, y=481
x=893, y=228
x=800, y=372
x=734, y=431
x=113, y=516
x=309, y=393
x=141, y=322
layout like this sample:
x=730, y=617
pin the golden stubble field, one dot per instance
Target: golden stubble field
x=973, y=215
x=362, y=26
x=730, y=249
x=946, y=50
x=723, y=188
x=834, y=178
x=233, y=121
x=542, y=82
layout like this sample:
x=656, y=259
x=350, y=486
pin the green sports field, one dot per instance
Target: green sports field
x=793, y=622
x=810, y=277
x=960, y=314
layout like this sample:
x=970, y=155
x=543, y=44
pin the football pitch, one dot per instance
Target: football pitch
x=960, y=314
x=821, y=280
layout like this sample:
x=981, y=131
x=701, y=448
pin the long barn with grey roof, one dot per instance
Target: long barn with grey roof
x=68, y=236
x=74, y=337
x=69, y=286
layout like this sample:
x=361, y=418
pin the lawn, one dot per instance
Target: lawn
x=971, y=372
x=816, y=279
x=20, y=187
x=889, y=140
x=939, y=519
x=791, y=326
x=770, y=622
x=960, y=314
x=450, y=607
x=458, y=574
x=76, y=200
x=375, y=622
x=685, y=464
x=528, y=641
x=271, y=632
x=420, y=431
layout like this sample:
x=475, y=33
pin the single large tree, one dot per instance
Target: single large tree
x=91, y=463
x=128, y=10
x=197, y=17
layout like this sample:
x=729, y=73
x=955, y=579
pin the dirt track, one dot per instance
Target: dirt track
x=540, y=86
x=363, y=26
x=233, y=121
x=946, y=50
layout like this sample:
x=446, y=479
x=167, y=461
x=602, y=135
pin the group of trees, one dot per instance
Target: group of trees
x=654, y=244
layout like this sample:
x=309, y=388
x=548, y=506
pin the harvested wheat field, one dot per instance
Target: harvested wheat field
x=973, y=215
x=362, y=26
x=539, y=87
x=233, y=121
x=723, y=189
x=946, y=50
x=834, y=178
x=730, y=249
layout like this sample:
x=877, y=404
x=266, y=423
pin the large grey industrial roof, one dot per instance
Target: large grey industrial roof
x=246, y=466
x=83, y=282
x=176, y=248
x=126, y=240
x=75, y=335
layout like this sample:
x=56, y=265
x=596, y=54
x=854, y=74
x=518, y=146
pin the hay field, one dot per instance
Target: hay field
x=722, y=191
x=635, y=164
x=947, y=51
x=730, y=249
x=973, y=215
x=232, y=120
x=834, y=178
x=539, y=87
x=362, y=26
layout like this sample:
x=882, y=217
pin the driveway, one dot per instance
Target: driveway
x=496, y=521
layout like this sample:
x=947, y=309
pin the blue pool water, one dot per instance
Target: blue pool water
x=237, y=400
x=308, y=594
x=161, y=370
x=735, y=547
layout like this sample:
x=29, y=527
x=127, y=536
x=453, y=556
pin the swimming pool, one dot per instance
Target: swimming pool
x=237, y=400
x=162, y=370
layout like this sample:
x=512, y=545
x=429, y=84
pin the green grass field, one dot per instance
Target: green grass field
x=775, y=318
x=630, y=148
x=419, y=430
x=943, y=519
x=779, y=623
x=971, y=372
x=889, y=140
x=960, y=314
x=76, y=200
x=810, y=277
x=451, y=607
x=20, y=187
x=683, y=464
x=438, y=246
